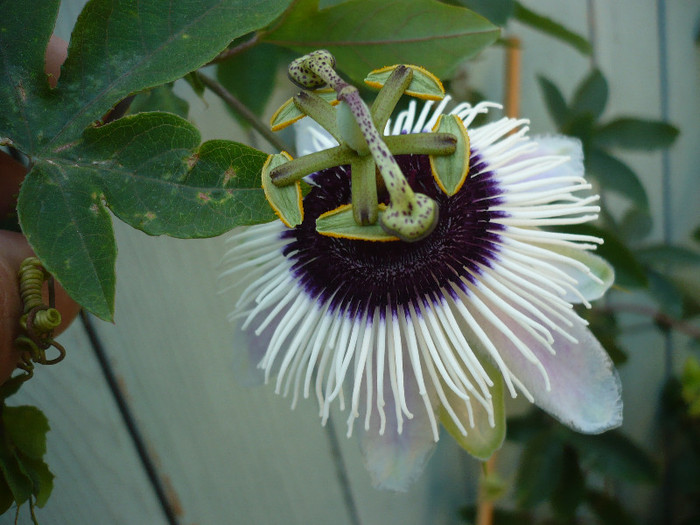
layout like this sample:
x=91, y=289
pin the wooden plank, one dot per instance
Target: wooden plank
x=99, y=477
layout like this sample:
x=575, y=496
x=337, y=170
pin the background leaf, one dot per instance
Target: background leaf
x=539, y=470
x=665, y=254
x=636, y=134
x=160, y=98
x=556, y=104
x=615, y=455
x=496, y=11
x=369, y=34
x=551, y=28
x=591, y=95
x=250, y=75
x=615, y=175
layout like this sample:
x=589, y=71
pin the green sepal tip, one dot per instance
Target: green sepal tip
x=450, y=171
x=286, y=201
x=424, y=84
x=341, y=223
x=288, y=113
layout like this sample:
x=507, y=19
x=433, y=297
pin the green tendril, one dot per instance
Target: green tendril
x=38, y=320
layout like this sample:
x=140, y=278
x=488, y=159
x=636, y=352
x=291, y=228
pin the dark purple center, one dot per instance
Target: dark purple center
x=361, y=275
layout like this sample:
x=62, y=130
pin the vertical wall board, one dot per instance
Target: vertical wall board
x=628, y=54
x=682, y=27
x=99, y=477
x=232, y=454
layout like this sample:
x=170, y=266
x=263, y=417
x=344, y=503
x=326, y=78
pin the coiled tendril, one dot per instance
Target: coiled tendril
x=39, y=320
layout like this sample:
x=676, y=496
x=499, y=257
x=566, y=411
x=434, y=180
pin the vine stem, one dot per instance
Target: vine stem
x=243, y=110
x=656, y=315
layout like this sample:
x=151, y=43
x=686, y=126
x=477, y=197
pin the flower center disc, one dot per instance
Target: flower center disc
x=363, y=275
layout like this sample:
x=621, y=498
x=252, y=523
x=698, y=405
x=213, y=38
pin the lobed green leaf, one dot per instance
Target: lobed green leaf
x=151, y=171
x=26, y=428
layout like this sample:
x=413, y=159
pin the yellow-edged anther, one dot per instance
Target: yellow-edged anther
x=288, y=113
x=286, y=201
x=424, y=84
x=340, y=223
x=450, y=171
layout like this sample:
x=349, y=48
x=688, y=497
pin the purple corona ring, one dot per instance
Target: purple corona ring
x=409, y=337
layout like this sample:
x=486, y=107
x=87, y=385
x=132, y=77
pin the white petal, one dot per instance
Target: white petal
x=584, y=392
x=394, y=460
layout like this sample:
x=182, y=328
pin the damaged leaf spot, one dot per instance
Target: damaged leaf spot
x=229, y=175
x=204, y=196
x=191, y=161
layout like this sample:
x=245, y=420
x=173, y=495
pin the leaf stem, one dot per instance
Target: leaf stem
x=243, y=111
x=657, y=316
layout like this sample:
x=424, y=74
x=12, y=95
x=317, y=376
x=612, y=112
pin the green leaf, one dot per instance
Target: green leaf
x=150, y=170
x=23, y=83
x=615, y=455
x=636, y=224
x=62, y=216
x=591, y=95
x=551, y=28
x=17, y=480
x=540, y=469
x=636, y=134
x=606, y=330
x=666, y=293
x=26, y=428
x=662, y=255
x=615, y=175
x=629, y=273
x=369, y=34
x=497, y=11
x=250, y=75
x=6, y=497
x=42, y=478
x=116, y=48
x=160, y=98
x=553, y=98
x=608, y=509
